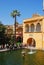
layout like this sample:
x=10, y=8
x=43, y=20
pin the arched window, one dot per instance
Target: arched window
x=32, y=27
x=38, y=27
x=27, y=28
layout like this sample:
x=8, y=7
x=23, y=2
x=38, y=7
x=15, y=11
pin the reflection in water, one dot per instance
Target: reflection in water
x=2, y=59
x=25, y=59
x=40, y=57
x=17, y=58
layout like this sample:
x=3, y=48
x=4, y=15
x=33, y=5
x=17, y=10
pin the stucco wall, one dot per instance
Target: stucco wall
x=38, y=37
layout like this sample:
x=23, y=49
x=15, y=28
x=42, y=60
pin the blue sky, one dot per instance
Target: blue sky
x=26, y=7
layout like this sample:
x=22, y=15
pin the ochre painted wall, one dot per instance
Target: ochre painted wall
x=37, y=36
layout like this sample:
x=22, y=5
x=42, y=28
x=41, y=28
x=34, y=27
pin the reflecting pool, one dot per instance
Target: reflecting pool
x=16, y=58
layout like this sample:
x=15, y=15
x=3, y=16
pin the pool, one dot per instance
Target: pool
x=16, y=58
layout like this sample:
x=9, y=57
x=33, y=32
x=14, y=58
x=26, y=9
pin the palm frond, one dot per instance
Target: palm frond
x=15, y=13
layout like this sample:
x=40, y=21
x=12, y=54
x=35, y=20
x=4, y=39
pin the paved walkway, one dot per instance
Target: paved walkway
x=34, y=48
x=2, y=50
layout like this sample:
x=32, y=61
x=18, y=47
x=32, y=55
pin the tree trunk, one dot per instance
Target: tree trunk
x=15, y=29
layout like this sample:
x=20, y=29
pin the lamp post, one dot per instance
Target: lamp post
x=42, y=25
x=43, y=5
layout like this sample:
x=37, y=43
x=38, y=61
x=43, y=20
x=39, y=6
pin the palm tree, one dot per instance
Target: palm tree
x=14, y=14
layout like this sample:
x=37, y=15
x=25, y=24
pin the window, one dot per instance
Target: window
x=32, y=27
x=38, y=27
x=27, y=28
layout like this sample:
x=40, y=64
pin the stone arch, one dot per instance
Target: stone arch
x=31, y=42
x=19, y=39
x=38, y=27
x=26, y=28
x=32, y=27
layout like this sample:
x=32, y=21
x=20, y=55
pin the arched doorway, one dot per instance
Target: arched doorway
x=31, y=42
x=19, y=39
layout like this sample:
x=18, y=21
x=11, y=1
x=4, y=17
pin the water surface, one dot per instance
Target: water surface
x=16, y=58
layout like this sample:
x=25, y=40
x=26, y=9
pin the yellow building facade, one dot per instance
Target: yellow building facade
x=33, y=31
